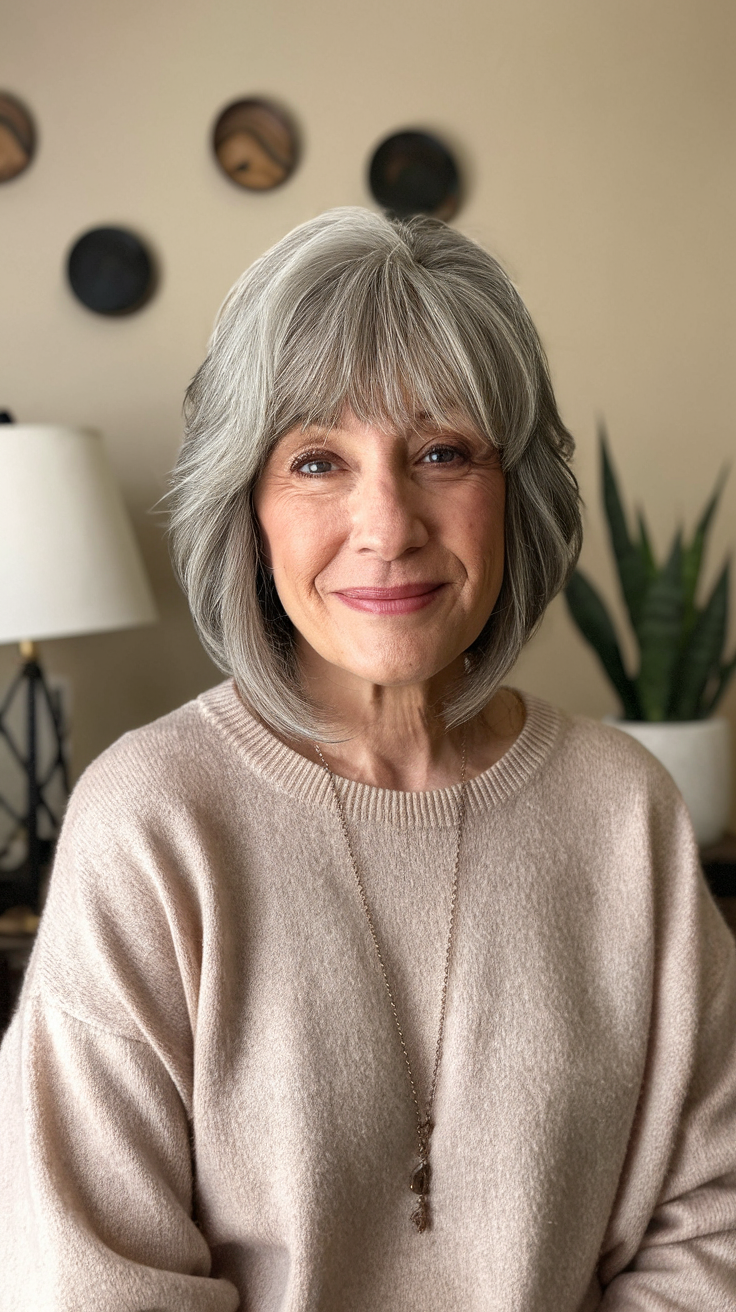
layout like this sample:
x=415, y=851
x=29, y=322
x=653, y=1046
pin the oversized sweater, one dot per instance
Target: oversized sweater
x=204, y=1101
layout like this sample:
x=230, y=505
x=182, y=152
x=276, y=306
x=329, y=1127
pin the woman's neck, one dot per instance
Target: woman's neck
x=395, y=737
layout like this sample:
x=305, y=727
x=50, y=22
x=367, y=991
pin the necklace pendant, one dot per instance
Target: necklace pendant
x=420, y=1178
x=420, y=1215
x=420, y=1185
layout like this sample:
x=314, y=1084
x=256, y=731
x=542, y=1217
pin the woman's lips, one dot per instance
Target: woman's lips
x=390, y=601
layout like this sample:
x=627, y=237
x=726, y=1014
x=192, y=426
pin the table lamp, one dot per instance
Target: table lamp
x=69, y=565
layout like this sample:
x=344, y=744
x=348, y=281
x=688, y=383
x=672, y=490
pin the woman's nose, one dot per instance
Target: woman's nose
x=387, y=516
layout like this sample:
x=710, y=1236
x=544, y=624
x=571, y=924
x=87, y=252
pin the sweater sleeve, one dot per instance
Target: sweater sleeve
x=96, y=1185
x=671, y=1241
x=96, y=1070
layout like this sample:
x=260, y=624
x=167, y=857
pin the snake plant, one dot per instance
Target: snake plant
x=682, y=670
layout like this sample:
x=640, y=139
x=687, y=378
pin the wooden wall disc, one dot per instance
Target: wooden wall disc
x=255, y=144
x=110, y=271
x=17, y=137
x=414, y=173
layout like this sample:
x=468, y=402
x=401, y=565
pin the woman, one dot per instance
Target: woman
x=365, y=982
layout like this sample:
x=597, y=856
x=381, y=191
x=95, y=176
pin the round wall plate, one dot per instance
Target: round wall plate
x=255, y=144
x=17, y=137
x=414, y=173
x=111, y=271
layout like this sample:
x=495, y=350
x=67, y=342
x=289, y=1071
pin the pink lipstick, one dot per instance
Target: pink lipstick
x=391, y=601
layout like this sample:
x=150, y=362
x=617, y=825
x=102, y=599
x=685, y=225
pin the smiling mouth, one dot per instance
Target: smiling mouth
x=391, y=601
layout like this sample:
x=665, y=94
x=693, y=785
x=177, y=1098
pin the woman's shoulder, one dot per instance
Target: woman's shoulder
x=606, y=743
x=170, y=759
x=608, y=809
x=140, y=818
x=601, y=761
x=133, y=873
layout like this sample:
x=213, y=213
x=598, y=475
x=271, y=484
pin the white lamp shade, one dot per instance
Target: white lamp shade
x=69, y=562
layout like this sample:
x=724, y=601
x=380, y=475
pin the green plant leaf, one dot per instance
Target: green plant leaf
x=590, y=614
x=701, y=657
x=659, y=632
x=632, y=560
x=724, y=678
x=645, y=549
x=692, y=558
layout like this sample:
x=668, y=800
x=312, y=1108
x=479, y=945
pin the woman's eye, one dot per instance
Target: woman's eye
x=443, y=455
x=313, y=465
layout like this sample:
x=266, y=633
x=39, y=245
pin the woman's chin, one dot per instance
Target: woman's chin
x=399, y=670
x=398, y=660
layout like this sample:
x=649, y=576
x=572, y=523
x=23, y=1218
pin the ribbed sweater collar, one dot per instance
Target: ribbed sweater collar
x=306, y=782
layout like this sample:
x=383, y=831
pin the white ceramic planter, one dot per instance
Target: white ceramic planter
x=698, y=756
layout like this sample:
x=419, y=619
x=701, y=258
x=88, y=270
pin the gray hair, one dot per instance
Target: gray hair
x=387, y=318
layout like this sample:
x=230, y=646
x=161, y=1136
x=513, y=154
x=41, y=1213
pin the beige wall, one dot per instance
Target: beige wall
x=598, y=144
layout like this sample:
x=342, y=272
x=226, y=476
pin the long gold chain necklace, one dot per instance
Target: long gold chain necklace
x=421, y=1174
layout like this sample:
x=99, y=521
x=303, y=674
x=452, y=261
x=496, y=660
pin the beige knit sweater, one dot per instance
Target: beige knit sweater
x=204, y=1104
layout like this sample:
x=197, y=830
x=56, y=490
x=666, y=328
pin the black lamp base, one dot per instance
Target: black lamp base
x=38, y=823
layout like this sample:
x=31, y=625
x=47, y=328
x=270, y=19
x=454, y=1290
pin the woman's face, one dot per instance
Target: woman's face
x=387, y=549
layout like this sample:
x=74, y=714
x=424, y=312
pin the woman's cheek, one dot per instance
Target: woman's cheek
x=303, y=546
x=316, y=534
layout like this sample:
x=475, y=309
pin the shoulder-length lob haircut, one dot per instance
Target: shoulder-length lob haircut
x=391, y=319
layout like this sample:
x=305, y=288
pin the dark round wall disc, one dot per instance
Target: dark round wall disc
x=414, y=173
x=110, y=271
x=17, y=137
x=255, y=143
